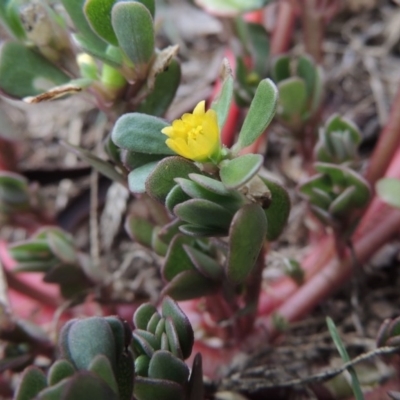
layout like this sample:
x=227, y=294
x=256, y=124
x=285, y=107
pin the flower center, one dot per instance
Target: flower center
x=195, y=132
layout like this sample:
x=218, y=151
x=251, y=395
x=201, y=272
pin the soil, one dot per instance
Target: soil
x=361, y=64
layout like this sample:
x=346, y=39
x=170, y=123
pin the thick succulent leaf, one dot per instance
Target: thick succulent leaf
x=101, y=366
x=388, y=189
x=133, y=26
x=98, y=13
x=165, y=87
x=142, y=346
x=176, y=259
x=261, y=112
x=139, y=229
x=75, y=10
x=33, y=381
x=259, y=48
x=86, y=385
x=31, y=75
x=143, y=315
x=112, y=57
x=278, y=211
x=61, y=246
x=206, y=265
x=225, y=8
x=204, y=213
x=169, y=230
x=10, y=17
x=173, y=338
x=197, y=231
x=306, y=69
x=210, y=184
x=60, y=370
x=150, y=338
x=142, y=365
x=343, y=203
x=196, y=386
x=164, y=365
x=281, y=68
x=34, y=250
x=151, y=389
x=162, y=179
x=246, y=238
x=140, y=133
x=222, y=103
x=175, y=196
x=153, y=322
x=345, y=177
x=236, y=172
x=102, y=166
x=133, y=160
x=189, y=285
x=336, y=123
x=84, y=339
x=185, y=332
x=292, y=99
x=137, y=178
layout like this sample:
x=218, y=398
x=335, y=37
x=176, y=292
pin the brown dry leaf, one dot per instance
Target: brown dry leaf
x=54, y=93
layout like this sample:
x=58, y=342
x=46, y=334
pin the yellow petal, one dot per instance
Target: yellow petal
x=200, y=108
x=180, y=147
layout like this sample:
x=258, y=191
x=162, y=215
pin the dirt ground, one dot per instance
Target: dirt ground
x=361, y=70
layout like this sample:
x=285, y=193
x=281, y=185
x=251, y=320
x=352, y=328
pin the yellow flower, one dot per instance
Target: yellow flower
x=195, y=136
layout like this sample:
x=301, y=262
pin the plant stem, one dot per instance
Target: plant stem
x=284, y=27
x=389, y=142
x=313, y=29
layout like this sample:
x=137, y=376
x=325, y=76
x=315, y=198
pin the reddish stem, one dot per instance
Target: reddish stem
x=389, y=142
x=284, y=27
x=8, y=156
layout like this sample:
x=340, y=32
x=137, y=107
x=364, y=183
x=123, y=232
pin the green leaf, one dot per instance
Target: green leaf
x=236, y=172
x=141, y=345
x=31, y=75
x=261, y=112
x=175, y=196
x=281, y=68
x=142, y=365
x=133, y=26
x=137, y=178
x=101, y=366
x=278, y=211
x=196, y=386
x=198, y=231
x=182, y=325
x=189, y=285
x=75, y=10
x=176, y=259
x=139, y=229
x=98, y=13
x=206, y=265
x=61, y=246
x=358, y=394
x=173, y=338
x=143, y=315
x=161, y=180
x=132, y=160
x=164, y=365
x=210, y=184
x=102, y=166
x=60, y=370
x=306, y=69
x=33, y=381
x=165, y=87
x=87, y=338
x=203, y=213
x=151, y=389
x=141, y=133
x=292, y=99
x=153, y=322
x=259, y=48
x=169, y=230
x=246, y=238
x=149, y=4
x=84, y=385
x=388, y=189
x=222, y=103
